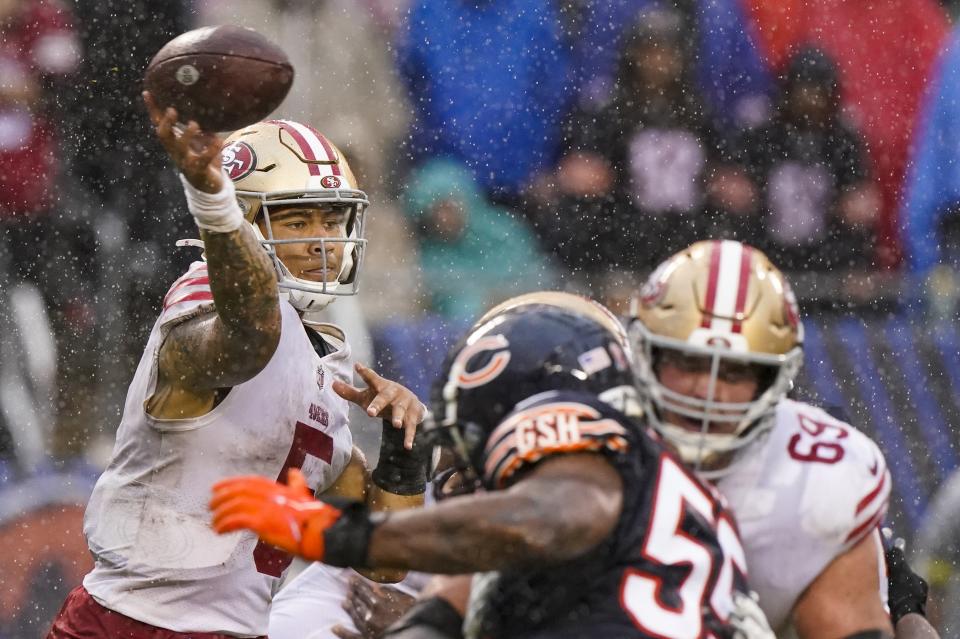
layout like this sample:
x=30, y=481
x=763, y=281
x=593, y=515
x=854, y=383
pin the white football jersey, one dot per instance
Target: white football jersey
x=311, y=605
x=148, y=524
x=802, y=495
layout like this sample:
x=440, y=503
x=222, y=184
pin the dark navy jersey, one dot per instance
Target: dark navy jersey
x=668, y=569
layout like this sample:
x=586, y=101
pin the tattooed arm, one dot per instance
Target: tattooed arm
x=207, y=354
x=564, y=507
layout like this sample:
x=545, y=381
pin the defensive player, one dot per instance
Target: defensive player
x=717, y=342
x=589, y=528
x=312, y=606
x=237, y=377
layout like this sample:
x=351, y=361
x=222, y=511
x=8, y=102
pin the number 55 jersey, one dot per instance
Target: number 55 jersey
x=803, y=495
x=147, y=523
x=672, y=568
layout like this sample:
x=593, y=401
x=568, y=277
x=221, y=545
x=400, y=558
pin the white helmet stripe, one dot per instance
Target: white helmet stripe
x=728, y=285
x=746, y=260
x=309, y=142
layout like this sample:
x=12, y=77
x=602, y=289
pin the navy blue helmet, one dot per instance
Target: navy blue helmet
x=517, y=353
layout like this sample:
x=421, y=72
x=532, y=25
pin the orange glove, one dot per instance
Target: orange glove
x=287, y=517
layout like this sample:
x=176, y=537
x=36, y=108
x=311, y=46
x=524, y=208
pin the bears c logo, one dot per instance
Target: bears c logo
x=239, y=159
x=487, y=373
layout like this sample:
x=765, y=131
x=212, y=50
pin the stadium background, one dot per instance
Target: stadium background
x=414, y=90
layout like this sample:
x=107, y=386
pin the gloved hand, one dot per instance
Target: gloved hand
x=286, y=516
x=748, y=619
x=906, y=590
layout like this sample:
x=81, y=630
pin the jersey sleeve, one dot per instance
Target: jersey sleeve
x=551, y=424
x=845, y=486
x=847, y=499
x=189, y=296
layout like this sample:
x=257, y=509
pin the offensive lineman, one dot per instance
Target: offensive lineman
x=717, y=342
x=236, y=377
x=583, y=513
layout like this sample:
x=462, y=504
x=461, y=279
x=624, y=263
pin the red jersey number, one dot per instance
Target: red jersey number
x=307, y=440
x=817, y=441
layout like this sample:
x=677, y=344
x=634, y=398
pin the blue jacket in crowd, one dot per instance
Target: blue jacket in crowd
x=490, y=85
x=933, y=179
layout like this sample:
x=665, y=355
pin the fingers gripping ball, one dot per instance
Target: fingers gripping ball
x=286, y=516
x=224, y=77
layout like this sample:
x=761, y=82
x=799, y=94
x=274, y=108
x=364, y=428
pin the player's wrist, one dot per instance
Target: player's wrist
x=904, y=606
x=347, y=542
x=215, y=212
x=401, y=471
x=435, y=613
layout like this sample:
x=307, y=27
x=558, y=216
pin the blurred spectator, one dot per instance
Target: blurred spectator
x=490, y=84
x=114, y=157
x=931, y=204
x=28, y=377
x=818, y=205
x=473, y=254
x=123, y=211
x=37, y=45
x=115, y=162
x=885, y=50
x=652, y=147
x=937, y=555
x=730, y=71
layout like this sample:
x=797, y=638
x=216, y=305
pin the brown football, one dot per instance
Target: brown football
x=224, y=77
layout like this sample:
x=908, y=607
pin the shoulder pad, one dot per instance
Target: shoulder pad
x=189, y=293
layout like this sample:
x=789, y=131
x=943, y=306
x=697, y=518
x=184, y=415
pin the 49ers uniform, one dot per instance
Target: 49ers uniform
x=157, y=559
x=805, y=494
x=717, y=344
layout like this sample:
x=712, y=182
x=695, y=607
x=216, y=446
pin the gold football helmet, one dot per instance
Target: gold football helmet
x=279, y=163
x=725, y=302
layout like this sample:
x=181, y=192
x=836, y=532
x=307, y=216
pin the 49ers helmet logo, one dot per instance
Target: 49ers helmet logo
x=489, y=372
x=330, y=182
x=239, y=159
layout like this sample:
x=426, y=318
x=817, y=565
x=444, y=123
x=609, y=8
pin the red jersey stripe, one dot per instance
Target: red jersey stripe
x=196, y=296
x=873, y=493
x=859, y=532
x=179, y=286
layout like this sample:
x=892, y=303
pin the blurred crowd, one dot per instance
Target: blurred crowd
x=506, y=146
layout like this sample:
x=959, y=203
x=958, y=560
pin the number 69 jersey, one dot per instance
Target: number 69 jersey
x=671, y=568
x=803, y=495
x=147, y=523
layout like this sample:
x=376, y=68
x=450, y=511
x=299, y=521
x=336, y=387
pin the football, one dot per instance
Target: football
x=224, y=77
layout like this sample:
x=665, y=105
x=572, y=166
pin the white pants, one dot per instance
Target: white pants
x=312, y=603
